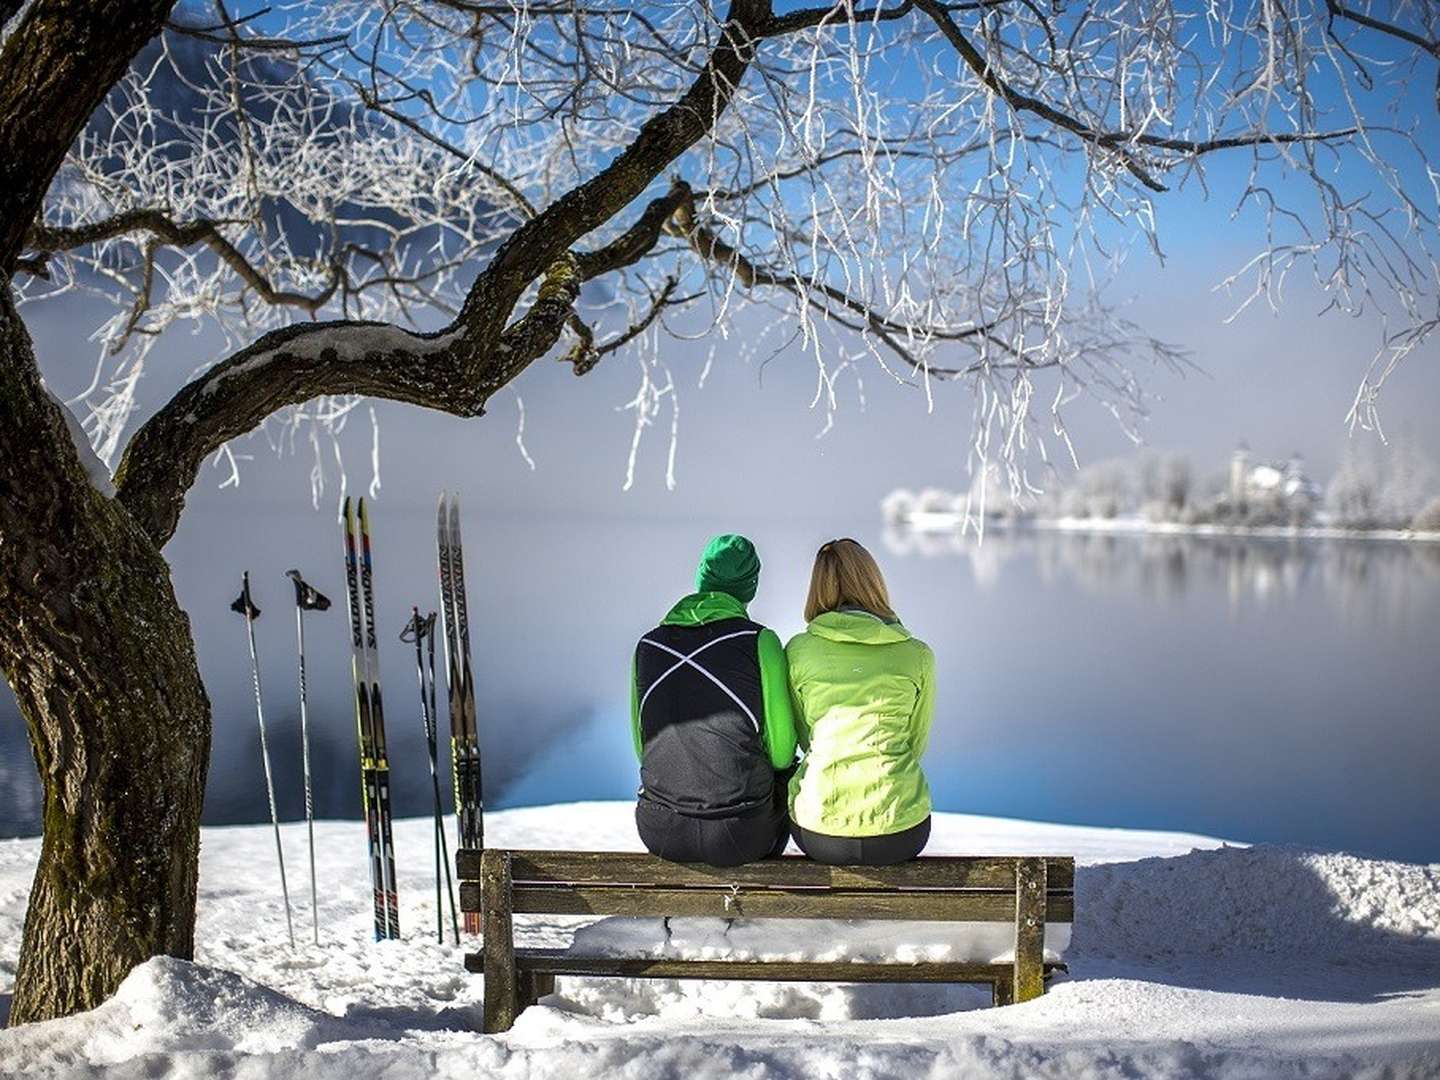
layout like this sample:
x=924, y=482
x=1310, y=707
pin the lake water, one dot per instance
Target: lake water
x=1252, y=689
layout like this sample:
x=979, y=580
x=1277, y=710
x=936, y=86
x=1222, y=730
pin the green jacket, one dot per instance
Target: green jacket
x=778, y=729
x=864, y=693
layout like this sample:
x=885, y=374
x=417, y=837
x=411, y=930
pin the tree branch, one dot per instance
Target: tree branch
x=640, y=237
x=1340, y=11
x=804, y=18
x=458, y=369
x=585, y=354
x=664, y=137
x=713, y=249
x=1117, y=141
x=453, y=371
x=50, y=239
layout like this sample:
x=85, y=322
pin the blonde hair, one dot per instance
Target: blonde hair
x=846, y=575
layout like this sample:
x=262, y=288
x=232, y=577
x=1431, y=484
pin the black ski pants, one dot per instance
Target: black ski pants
x=863, y=850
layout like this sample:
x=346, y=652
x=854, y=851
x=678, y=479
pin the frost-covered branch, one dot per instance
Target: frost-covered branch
x=455, y=370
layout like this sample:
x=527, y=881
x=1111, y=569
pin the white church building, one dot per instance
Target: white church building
x=1278, y=484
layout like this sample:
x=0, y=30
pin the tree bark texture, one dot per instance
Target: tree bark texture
x=100, y=657
x=56, y=68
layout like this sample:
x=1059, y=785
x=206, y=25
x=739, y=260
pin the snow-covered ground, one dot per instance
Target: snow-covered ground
x=1189, y=958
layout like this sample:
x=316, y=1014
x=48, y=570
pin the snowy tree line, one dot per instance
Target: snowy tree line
x=1390, y=487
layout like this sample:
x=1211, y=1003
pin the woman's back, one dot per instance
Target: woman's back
x=864, y=692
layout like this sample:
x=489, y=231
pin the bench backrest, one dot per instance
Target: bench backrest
x=940, y=888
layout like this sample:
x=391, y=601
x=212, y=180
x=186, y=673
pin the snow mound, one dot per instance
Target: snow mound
x=1265, y=899
x=171, y=1006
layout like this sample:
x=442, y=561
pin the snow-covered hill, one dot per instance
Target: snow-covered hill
x=1189, y=958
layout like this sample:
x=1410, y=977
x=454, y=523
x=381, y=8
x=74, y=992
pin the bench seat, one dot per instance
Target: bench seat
x=1022, y=891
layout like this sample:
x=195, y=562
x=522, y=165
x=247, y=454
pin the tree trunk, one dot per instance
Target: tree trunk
x=101, y=660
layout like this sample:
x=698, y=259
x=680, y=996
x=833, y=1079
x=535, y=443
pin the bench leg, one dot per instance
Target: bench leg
x=534, y=985
x=1002, y=990
x=1029, y=968
x=502, y=984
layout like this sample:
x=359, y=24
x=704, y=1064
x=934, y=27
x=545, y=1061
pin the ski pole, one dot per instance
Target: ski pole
x=307, y=598
x=420, y=630
x=435, y=783
x=245, y=606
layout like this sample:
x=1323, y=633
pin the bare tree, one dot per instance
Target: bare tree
x=416, y=199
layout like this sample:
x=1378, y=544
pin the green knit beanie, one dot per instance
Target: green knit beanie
x=729, y=565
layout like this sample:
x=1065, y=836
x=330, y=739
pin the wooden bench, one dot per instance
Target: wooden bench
x=1025, y=891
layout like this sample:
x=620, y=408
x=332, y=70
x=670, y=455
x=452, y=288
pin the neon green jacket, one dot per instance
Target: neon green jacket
x=778, y=731
x=864, y=693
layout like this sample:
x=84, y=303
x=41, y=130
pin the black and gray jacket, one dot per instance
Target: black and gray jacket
x=710, y=709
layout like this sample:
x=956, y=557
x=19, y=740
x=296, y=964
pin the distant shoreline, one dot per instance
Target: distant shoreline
x=938, y=522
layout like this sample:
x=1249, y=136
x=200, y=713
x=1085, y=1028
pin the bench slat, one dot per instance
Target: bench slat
x=768, y=903
x=558, y=962
x=632, y=868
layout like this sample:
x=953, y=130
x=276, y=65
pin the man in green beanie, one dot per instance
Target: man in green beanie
x=711, y=717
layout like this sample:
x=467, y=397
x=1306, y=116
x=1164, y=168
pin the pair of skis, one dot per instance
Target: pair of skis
x=370, y=720
x=369, y=710
x=464, y=735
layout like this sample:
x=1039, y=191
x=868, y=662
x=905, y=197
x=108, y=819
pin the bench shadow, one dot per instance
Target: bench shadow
x=594, y=996
x=1262, y=920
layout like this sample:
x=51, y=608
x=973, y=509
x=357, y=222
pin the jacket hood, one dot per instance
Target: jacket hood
x=856, y=626
x=704, y=607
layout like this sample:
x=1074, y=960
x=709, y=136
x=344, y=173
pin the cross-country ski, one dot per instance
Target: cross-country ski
x=370, y=719
x=464, y=736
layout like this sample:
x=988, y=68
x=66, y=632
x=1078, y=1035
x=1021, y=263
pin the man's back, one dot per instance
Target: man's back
x=701, y=709
x=711, y=718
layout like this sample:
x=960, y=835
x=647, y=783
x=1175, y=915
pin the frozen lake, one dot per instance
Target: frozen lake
x=1254, y=689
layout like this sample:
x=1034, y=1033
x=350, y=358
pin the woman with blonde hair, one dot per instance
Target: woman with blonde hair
x=864, y=692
